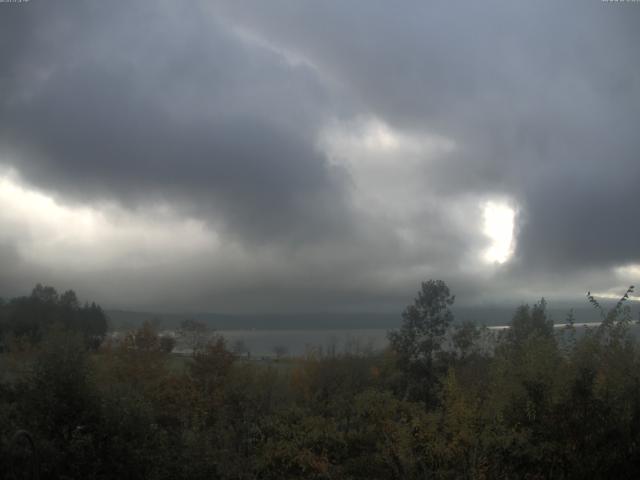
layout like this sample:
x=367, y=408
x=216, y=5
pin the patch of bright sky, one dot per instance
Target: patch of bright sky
x=498, y=227
x=349, y=141
x=386, y=164
x=625, y=275
x=388, y=168
x=79, y=237
x=614, y=296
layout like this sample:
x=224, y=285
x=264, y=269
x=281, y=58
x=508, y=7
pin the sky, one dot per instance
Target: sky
x=302, y=156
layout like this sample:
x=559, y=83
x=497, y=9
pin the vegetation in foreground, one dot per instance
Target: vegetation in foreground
x=435, y=404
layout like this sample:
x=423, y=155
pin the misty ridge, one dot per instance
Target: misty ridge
x=227, y=209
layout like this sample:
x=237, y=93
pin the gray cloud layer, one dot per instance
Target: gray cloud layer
x=218, y=110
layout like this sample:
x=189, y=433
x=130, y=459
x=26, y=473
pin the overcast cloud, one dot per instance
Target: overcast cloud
x=318, y=156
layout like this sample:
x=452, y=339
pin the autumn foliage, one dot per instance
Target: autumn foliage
x=538, y=402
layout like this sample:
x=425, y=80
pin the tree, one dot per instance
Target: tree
x=240, y=348
x=60, y=406
x=418, y=343
x=44, y=294
x=167, y=343
x=94, y=323
x=210, y=363
x=280, y=351
x=69, y=300
x=465, y=339
x=193, y=333
x=530, y=321
x=615, y=323
x=30, y=317
x=146, y=338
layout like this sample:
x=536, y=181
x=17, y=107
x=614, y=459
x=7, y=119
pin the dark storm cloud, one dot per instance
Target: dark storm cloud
x=150, y=103
x=544, y=98
x=217, y=110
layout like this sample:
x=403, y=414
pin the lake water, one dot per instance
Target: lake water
x=298, y=342
x=265, y=343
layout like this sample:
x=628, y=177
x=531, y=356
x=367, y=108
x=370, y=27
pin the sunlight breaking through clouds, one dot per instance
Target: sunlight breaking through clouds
x=498, y=227
x=79, y=237
x=318, y=155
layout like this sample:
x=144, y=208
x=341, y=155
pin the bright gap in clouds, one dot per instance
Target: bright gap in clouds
x=58, y=235
x=625, y=275
x=498, y=226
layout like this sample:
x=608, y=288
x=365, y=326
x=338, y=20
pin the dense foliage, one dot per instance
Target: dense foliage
x=537, y=402
x=28, y=318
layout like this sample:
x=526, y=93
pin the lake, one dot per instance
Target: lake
x=296, y=342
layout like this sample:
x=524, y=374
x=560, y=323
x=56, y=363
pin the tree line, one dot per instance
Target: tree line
x=540, y=403
x=28, y=318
